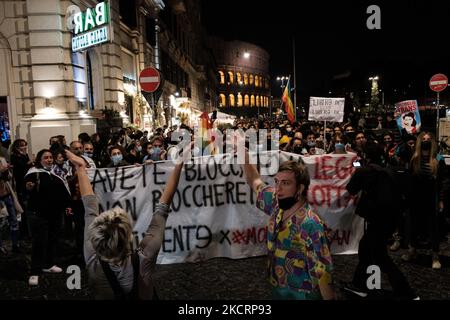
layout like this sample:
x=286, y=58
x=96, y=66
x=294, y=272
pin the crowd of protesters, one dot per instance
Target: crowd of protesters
x=46, y=187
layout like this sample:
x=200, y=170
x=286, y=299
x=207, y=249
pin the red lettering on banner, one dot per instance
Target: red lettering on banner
x=251, y=235
x=327, y=167
x=341, y=236
x=323, y=167
x=323, y=194
x=344, y=167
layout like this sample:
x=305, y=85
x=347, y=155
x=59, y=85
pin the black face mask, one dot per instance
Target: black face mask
x=328, y=136
x=297, y=149
x=426, y=145
x=351, y=135
x=286, y=203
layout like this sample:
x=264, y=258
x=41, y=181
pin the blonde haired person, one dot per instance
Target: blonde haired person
x=428, y=183
x=115, y=271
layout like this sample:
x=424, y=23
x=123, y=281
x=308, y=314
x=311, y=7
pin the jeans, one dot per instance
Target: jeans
x=373, y=251
x=44, y=235
x=8, y=202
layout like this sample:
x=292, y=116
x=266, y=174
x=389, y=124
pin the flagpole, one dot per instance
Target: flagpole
x=295, y=80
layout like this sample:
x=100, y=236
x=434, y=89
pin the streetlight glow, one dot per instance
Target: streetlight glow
x=246, y=55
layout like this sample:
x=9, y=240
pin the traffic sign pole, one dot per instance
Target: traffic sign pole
x=437, y=117
x=438, y=83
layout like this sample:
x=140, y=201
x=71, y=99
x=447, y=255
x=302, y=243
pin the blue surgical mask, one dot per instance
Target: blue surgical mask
x=339, y=146
x=116, y=159
x=139, y=149
x=89, y=154
x=156, y=151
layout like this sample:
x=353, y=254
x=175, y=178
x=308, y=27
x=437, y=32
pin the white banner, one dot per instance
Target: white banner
x=326, y=109
x=213, y=211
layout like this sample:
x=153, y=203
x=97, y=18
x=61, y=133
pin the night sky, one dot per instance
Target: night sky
x=335, y=49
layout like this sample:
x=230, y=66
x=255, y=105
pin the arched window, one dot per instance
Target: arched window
x=239, y=100
x=231, y=77
x=266, y=104
x=222, y=77
x=239, y=78
x=245, y=79
x=231, y=100
x=251, y=80
x=257, y=101
x=256, y=81
x=252, y=101
x=223, y=100
x=246, y=100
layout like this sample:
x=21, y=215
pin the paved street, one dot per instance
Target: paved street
x=219, y=279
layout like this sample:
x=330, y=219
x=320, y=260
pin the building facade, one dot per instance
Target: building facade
x=187, y=64
x=63, y=62
x=244, y=81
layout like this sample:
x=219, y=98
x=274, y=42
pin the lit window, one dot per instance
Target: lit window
x=246, y=100
x=246, y=79
x=252, y=101
x=222, y=77
x=230, y=77
x=238, y=77
x=239, y=100
x=232, y=100
x=223, y=101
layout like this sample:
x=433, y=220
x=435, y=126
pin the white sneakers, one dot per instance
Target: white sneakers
x=33, y=281
x=436, y=264
x=395, y=246
x=54, y=269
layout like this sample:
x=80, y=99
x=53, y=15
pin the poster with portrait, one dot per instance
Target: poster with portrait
x=408, y=116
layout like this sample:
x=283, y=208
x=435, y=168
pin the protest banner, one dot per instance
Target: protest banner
x=409, y=116
x=213, y=211
x=326, y=109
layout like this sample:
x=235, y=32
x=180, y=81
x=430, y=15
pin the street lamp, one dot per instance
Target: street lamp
x=282, y=78
x=246, y=55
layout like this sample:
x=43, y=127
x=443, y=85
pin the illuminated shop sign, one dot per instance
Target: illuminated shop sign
x=91, y=27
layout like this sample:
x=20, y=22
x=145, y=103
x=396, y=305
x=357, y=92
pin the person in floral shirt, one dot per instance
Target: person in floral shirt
x=299, y=258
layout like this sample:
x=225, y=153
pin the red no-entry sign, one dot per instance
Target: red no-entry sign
x=439, y=82
x=149, y=79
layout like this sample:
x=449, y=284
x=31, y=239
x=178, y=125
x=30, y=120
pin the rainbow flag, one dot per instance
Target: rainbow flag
x=206, y=128
x=287, y=101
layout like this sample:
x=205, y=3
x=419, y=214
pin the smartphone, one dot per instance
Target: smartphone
x=357, y=164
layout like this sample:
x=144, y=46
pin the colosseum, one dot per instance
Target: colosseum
x=244, y=81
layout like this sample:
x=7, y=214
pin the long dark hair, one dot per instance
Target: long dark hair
x=39, y=157
x=16, y=145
